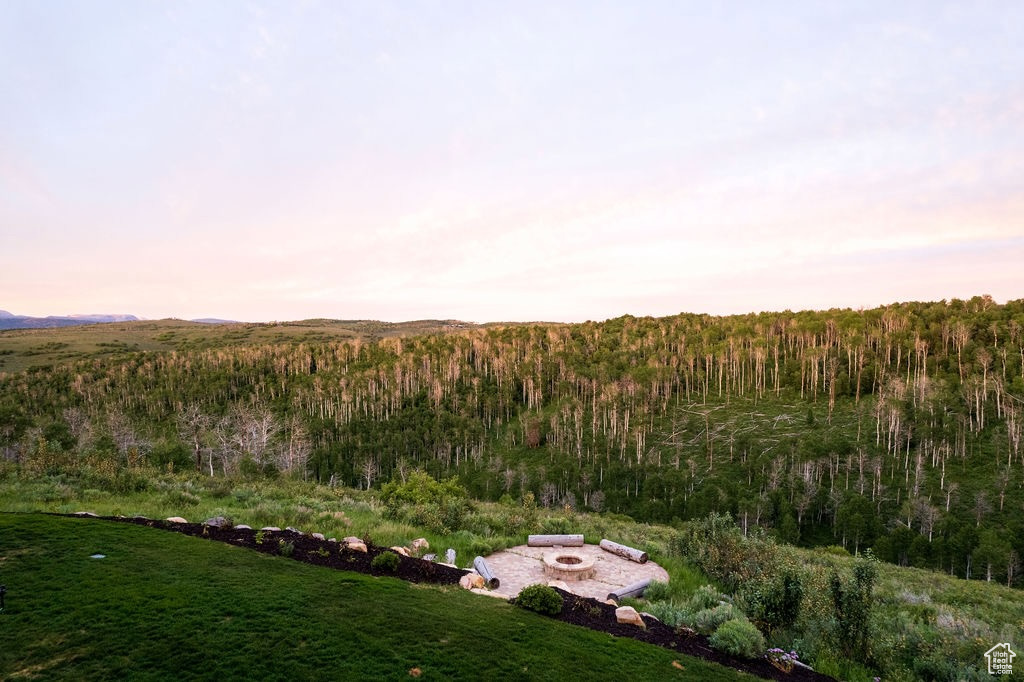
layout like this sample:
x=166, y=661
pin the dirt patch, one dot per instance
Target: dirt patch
x=576, y=610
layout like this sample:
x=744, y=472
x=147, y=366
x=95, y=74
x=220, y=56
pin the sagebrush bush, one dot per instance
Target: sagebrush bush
x=668, y=613
x=540, y=598
x=738, y=637
x=708, y=620
x=704, y=597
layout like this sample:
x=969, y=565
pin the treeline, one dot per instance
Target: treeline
x=898, y=427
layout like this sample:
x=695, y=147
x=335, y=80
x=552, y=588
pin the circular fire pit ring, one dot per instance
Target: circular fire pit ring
x=566, y=565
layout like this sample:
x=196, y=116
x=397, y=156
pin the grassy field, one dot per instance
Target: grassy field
x=22, y=349
x=165, y=606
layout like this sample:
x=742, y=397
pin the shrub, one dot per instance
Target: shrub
x=668, y=613
x=439, y=505
x=852, y=605
x=386, y=561
x=717, y=547
x=657, y=591
x=775, y=604
x=285, y=548
x=540, y=598
x=704, y=597
x=739, y=638
x=709, y=620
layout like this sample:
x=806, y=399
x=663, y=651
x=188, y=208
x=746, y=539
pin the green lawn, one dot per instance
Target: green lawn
x=166, y=606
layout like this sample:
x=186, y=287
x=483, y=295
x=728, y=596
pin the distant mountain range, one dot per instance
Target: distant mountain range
x=12, y=321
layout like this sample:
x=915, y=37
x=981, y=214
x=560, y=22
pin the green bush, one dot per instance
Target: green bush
x=668, y=613
x=775, y=604
x=540, y=598
x=285, y=548
x=852, y=606
x=386, y=561
x=657, y=591
x=709, y=620
x=739, y=638
x=441, y=506
x=704, y=597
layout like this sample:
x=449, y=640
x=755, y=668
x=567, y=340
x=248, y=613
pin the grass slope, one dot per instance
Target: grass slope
x=165, y=606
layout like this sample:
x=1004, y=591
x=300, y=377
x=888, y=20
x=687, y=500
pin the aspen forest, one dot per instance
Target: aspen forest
x=897, y=429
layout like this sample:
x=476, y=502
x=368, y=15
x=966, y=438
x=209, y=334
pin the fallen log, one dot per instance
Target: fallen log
x=624, y=551
x=635, y=590
x=483, y=569
x=553, y=540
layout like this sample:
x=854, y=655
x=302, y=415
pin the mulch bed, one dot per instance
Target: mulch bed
x=576, y=610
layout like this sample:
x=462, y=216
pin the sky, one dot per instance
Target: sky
x=507, y=161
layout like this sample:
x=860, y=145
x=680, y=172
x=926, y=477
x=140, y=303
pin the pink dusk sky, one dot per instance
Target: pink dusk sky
x=493, y=161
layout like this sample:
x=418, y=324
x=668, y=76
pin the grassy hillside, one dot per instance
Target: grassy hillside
x=923, y=625
x=163, y=606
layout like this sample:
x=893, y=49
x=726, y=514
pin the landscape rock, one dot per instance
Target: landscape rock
x=270, y=528
x=332, y=539
x=294, y=530
x=242, y=526
x=629, y=616
x=560, y=584
x=176, y=519
x=449, y=556
x=350, y=539
x=472, y=581
x=419, y=545
x=218, y=522
x=400, y=550
x=85, y=513
x=356, y=546
x=430, y=557
x=318, y=536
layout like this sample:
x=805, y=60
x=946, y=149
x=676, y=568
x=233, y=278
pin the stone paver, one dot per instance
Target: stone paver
x=521, y=566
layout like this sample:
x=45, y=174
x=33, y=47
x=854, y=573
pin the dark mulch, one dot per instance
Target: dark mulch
x=582, y=611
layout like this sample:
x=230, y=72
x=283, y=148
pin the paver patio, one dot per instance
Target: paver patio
x=520, y=566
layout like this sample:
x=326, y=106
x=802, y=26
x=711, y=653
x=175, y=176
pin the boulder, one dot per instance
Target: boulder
x=472, y=581
x=350, y=539
x=560, y=584
x=332, y=539
x=400, y=550
x=85, y=513
x=294, y=530
x=218, y=522
x=356, y=546
x=629, y=616
x=176, y=519
x=430, y=557
x=419, y=545
x=242, y=526
x=270, y=528
x=318, y=536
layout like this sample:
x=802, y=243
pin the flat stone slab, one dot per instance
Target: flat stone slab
x=524, y=565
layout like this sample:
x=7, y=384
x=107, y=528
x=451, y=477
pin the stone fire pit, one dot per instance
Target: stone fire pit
x=568, y=565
